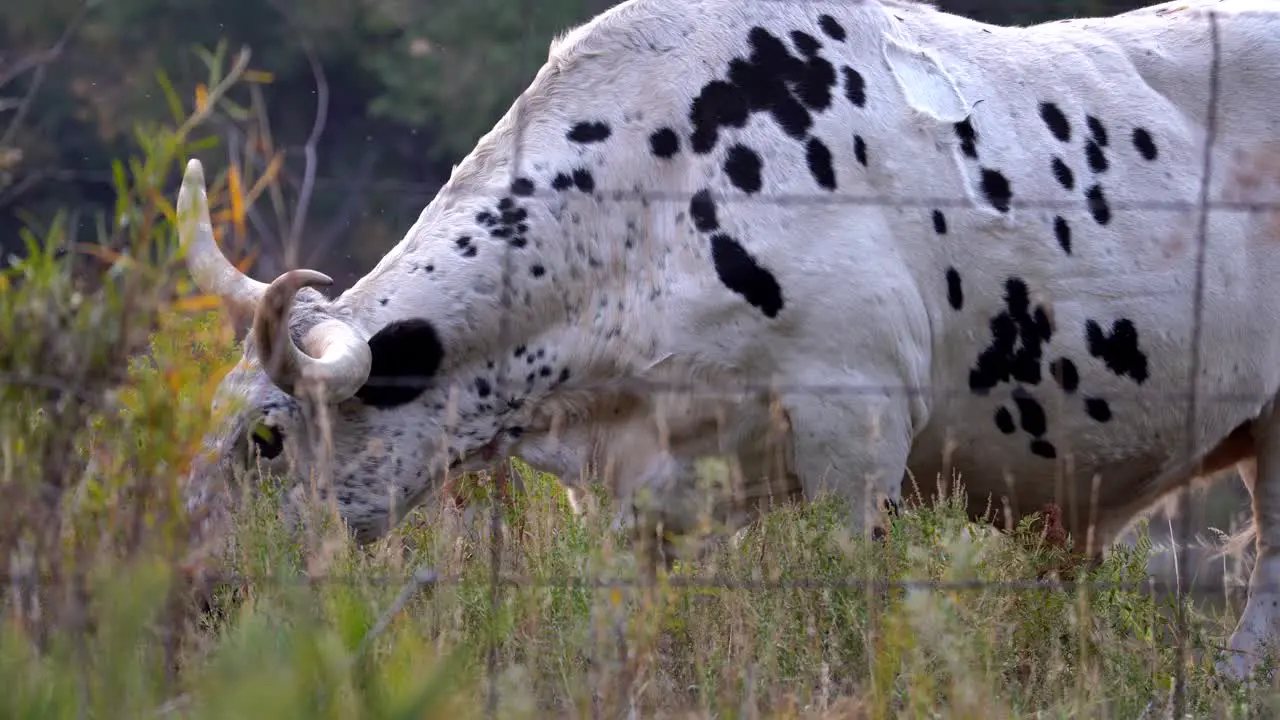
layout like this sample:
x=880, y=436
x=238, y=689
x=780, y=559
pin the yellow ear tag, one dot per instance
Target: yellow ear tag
x=264, y=433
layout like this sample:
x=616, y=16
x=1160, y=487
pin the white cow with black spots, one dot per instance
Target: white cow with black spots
x=893, y=238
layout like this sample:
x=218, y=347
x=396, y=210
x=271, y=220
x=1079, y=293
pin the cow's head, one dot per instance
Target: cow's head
x=300, y=404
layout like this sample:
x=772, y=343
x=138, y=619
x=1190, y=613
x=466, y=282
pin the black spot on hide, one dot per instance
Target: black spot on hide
x=589, y=132
x=664, y=143
x=1118, y=349
x=996, y=187
x=1056, y=121
x=955, y=293
x=771, y=79
x=968, y=138
x=1062, y=231
x=743, y=165
x=832, y=28
x=406, y=355
x=741, y=274
x=820, y=166
x=1143, y=142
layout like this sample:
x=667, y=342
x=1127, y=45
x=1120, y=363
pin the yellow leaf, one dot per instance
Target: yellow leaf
x=615, y=597
x=263, y=431
x=202, y=97
x=269, y=175
x=244, y=265
x=258, y=76
x=196, y=303
x=237, y=199
x=166, y=208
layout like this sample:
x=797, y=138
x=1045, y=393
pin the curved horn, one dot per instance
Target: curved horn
x=212, y=272
x=334, y=353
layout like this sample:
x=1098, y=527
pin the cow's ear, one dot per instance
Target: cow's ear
x=406, y=356
x=925, y=83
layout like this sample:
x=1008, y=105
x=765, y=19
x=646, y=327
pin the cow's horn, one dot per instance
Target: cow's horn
x=210, y=269
x=332, y=353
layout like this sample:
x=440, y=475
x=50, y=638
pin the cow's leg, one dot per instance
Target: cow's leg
x=1258, y=630
x=854, y=447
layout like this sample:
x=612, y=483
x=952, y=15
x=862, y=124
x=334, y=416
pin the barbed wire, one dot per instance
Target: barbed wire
x=709, y=389
x=682, y=582
x=433, y=190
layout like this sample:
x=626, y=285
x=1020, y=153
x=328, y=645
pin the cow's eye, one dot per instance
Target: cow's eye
x=269, y=440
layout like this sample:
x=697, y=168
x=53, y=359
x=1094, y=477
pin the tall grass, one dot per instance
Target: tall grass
x=107, y=377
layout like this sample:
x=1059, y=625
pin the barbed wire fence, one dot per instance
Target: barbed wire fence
x=1193, y=397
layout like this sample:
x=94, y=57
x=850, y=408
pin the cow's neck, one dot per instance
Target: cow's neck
x=532, y=282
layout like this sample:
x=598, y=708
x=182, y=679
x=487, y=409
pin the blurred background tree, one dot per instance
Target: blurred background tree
x=404, y=89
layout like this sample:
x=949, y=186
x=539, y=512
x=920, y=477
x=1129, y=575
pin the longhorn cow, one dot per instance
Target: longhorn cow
x=889, y=238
